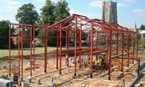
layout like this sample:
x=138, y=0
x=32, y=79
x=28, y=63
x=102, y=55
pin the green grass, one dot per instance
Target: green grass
x=26, y=51
x=3, y=57
x=40, y=50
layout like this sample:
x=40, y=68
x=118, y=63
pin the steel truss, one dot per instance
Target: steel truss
x=111, y=33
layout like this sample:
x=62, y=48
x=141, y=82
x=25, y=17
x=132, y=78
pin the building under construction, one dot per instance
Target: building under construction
x=105, y=43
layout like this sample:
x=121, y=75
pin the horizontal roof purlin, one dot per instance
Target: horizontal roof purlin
x=94, y=22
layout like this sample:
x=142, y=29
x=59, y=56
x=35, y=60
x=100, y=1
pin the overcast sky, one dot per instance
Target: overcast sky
x=129, y=11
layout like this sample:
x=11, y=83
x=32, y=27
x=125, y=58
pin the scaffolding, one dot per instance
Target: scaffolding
x=125, y=47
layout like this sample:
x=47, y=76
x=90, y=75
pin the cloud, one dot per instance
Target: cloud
x=9, y=9
x=43, y=1
x=121, y=5
x=11, y=5
x=90, y=15
x=126, y=24
x=96, y=3
x=130, y=1
x=139, y=12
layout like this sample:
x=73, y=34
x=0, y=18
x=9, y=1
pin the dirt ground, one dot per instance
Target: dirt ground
x=67, y=79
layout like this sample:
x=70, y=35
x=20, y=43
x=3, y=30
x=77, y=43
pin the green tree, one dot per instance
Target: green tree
x=142, y=27
x=47, y=18
x=47, y=13
x=52, y=13
x=4, y=34
x=61, y=10
x=27, y=14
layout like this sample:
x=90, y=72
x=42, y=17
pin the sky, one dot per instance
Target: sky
x=129, y=11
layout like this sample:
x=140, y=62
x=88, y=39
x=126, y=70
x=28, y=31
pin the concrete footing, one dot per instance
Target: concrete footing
x=25, y=84
x=21, y=78
x=51, y=82
x=29, y=79
x=4, y=67
x=6, y=75
x=82, y=85
x=38, y=81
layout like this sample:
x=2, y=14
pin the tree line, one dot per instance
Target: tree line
x=26, y=14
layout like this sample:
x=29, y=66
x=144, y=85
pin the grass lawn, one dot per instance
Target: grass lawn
x=4, y=53
x=26, y=51
x=3, y=57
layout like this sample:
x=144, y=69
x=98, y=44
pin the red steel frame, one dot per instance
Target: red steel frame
x=79, y=23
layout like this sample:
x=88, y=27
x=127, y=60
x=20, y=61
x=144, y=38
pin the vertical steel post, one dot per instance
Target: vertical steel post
x=110, y=55
x=75, y=50
x=91, y=54
x=60, y=43
x=10, y=49
x=133, y=47
x=117, y=45
x=22, y=50
x=107, y=47
x=30, y=50
x=137, y=45
x=128, y=50
x=138, y=66
x=19, y=41
x=45, y=63
x=122, y=51
x=57, y=40
x=34, y=47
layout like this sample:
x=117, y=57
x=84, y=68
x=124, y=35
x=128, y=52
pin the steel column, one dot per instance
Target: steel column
x=46, y=56
x=22, y=50
x=128, y=50
x=19, y=42
x=75, y=48
x=30, y=50
x=57, y=49
x=137, y=46
x=91, y=54
x=122, y=51
x=117, y=45
x=34, y=47
x=60, y=43
x=133, y=46
x=110, y=56
x=9, y=49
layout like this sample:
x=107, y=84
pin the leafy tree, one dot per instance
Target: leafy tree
x=4, y=34
x=47, y=18
x=141, y=43
x=27, y=14
x=142, y=27
x=47, y=14
x=52, y=13
x=61, y=10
